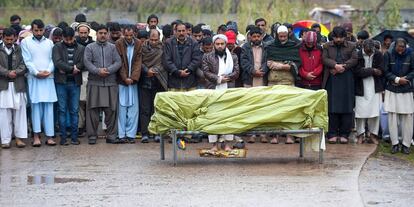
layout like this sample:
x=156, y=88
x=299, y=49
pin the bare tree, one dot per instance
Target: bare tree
x=375, y=12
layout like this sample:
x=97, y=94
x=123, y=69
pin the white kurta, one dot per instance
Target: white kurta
x=225, y=68
x=83, y=86
x=400, y=103
x=9, y=99
x=368, y=106
x=13, y=113
x=37, y=56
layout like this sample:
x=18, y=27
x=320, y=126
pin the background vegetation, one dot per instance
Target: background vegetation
x=213, y=12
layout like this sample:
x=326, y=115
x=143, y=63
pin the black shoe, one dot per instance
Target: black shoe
x=113, y=141
x=405, y=150
x=64, y=142
x=395, y=149
x=75, y=142
x=131, y=140
x=81, y=132
x=123, y=141
x=239, y=145
x=92, y=141
x=144, y=139
x=200, y=138
x=157, y=139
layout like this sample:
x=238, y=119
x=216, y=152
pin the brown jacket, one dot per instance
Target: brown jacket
x=17, y=65
x=329, y=54
x=210, y=67
x=121, y=46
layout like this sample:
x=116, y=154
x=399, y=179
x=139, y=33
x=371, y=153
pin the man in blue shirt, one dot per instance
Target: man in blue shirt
x=37, y=55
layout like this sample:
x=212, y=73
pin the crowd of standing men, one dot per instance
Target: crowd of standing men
x=61, y=75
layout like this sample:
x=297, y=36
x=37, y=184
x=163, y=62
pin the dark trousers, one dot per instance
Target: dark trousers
x=340, y=124
x=102, y=99
x=68, y=101
x=310, y=87
x=111, y=121
x=146, y=107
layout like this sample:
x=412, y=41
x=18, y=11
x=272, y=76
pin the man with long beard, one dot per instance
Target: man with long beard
x=221, y=69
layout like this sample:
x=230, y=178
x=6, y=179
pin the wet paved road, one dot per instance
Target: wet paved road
x=387, y=181
x=133, y=175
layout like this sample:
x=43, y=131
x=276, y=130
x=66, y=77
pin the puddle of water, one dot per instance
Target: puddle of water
x=50, y=179
x=378, y=202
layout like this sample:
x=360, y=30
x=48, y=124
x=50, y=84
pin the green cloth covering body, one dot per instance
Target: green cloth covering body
x=238, y=110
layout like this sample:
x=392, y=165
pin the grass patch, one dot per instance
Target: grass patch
x=384, y=149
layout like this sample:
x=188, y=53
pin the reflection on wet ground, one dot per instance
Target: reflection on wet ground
x=133, y=175
x=50, y=179
x=39, y=179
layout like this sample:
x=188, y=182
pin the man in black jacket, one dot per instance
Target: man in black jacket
x=68, y=60
x=368, y=88
x=253, y=65
x=182, y=57
x=253, y=60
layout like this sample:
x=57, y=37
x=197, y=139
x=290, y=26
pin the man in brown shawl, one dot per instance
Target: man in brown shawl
x=153, y=80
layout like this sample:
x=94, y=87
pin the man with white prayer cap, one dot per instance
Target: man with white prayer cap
x=283, y=61
x=221, y=69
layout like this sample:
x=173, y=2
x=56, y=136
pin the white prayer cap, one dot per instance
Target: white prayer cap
x=220, y=36
x=282, y=28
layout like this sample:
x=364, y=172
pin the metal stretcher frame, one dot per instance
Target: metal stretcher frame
x=175, y=133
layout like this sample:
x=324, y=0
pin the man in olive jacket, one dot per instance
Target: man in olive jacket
x=12, y=92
